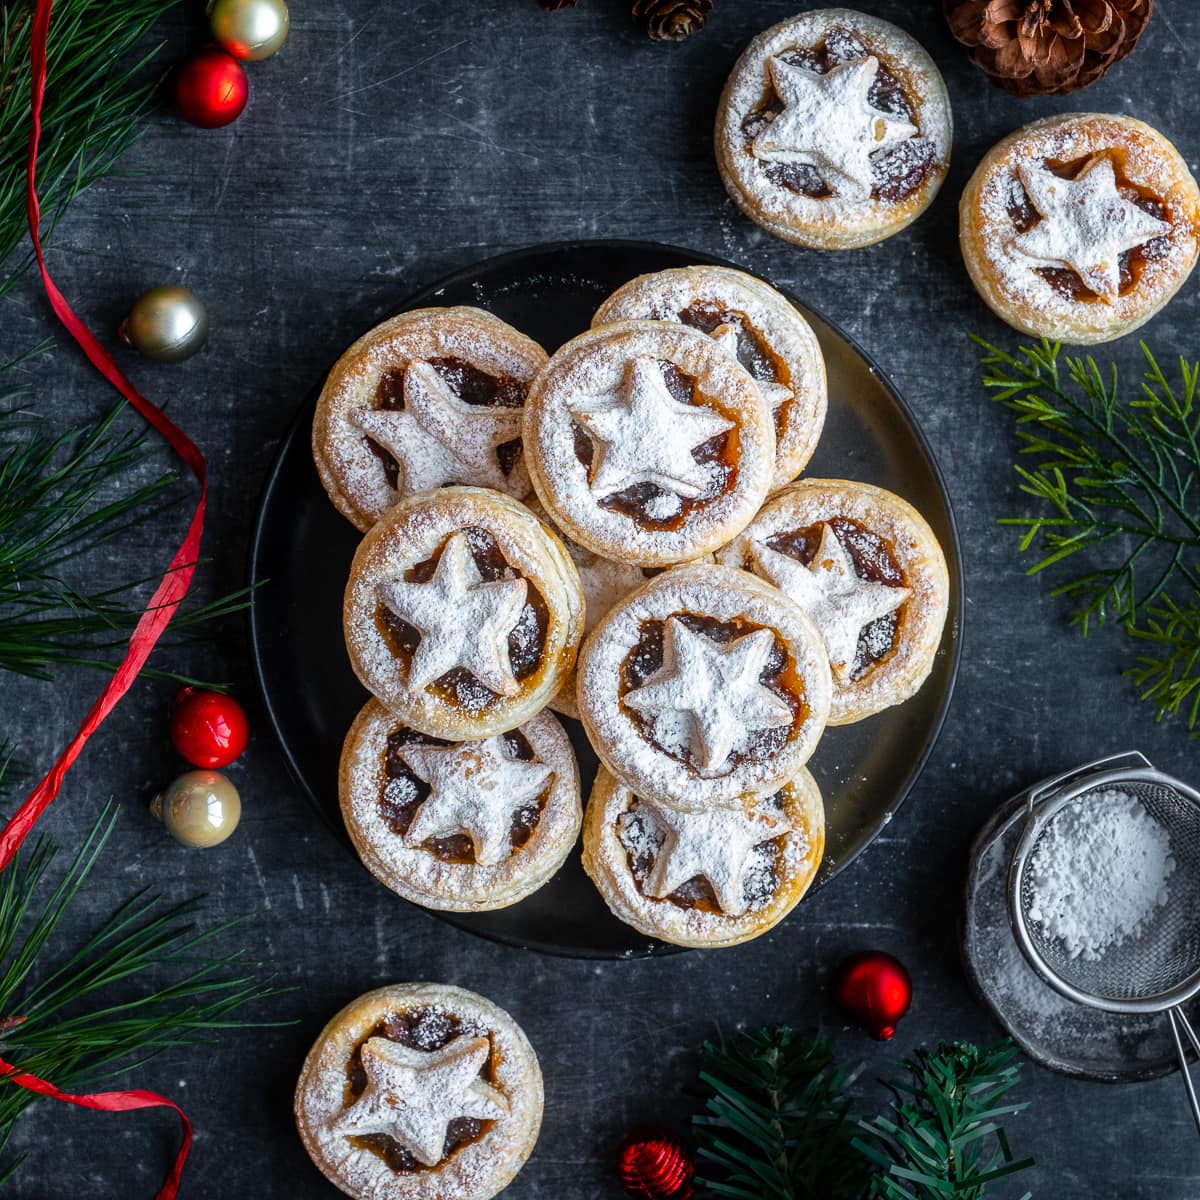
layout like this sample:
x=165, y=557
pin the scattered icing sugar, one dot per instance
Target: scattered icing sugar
x=1099, y=872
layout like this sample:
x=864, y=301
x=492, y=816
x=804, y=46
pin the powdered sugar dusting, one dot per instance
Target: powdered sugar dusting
x=1099, y=872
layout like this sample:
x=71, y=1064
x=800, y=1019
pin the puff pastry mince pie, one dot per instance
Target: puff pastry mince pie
x=1080, y=227
x=757, y=326
x=430, y=397
x=715, y=877
x=647, y=443
x=703, y=686
x=465, y=826
x=463, y=613
x=868, y=570
x=834, y=130
x=420, y=1091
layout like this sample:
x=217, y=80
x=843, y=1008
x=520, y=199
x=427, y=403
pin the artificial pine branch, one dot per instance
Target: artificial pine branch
x=777, y=1121
x=96, y=1014
x=60, y=498
x=944, y=1139
x=97, y=93
x=1116, y=485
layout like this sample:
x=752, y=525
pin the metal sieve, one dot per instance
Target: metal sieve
x=1156, y=970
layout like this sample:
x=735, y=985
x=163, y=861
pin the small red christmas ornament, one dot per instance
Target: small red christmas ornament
x=209, y=729
x=656, y=1164
x=874, y=990
x=211, y=88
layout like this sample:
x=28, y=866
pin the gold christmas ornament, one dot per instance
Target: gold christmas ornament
x=201, y=808
x=250, y=29
x=166, y=323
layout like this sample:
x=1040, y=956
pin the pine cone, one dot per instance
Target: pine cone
x=555, y=5
x=1047, y=47
x=672, y=20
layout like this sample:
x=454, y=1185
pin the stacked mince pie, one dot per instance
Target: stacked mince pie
x=612, y=533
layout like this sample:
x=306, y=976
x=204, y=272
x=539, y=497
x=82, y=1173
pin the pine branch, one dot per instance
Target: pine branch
x=61, y=499
x=777, y=1123
x=945, y=1140
x=1115, y=481
x=97, y=93
x=92, y=1017
x=1168, y=674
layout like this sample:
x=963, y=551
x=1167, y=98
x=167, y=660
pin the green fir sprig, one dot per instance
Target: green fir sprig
x=97, y=92
x=1114, y=481
x=62, y=497
x=777, y=1121
x=102, y=1009
x=780, y=1121
x=944, y=1138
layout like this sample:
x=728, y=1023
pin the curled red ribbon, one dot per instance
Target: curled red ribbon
x=154, y=620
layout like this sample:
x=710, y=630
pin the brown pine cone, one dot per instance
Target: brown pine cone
x=672, y=20
x=1047, y=47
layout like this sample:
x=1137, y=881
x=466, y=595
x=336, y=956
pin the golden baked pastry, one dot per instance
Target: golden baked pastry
x=647, y=443
x=834, y=130
x=715, y=877
x=1080, y=227
x=868, y=570
x=420, y=1091
x=756, y=325
x=461, y=826
x=463, y=613
x=703, y=686
x=428, y=398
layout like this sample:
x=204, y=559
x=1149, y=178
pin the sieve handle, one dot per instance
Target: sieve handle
x=1109, y=761
x=1180, y=1022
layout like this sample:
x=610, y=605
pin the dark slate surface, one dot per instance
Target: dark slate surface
x=388, y=143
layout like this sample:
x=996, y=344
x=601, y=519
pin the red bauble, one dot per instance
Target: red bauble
x=656, y=1164
x=874, y=990
x=211, y=88
x=209, y=729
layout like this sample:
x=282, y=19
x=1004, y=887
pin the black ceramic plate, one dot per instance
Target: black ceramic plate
x=303, y=548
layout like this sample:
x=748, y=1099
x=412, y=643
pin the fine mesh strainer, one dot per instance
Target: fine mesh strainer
x=1156, y=970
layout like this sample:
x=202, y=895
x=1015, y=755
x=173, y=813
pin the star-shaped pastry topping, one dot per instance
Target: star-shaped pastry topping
x=714, y=844
x=463, y=621
x=829, y=589
x=1086, y=224
x=710, y=691
x=829, y=123
x=413, y=1095
x=642, y=434
x=437, y=438
x=726, y=336
x=475, y=789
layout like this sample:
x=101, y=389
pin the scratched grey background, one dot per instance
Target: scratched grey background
x=388, y=143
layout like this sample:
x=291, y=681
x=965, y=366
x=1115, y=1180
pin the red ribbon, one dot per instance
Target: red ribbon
x=153, y=621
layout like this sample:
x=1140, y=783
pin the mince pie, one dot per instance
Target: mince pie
x=431, y=397
x=868, y=570
x=1080, y=227
x=834, y=130
x=756, y=325
x=713, y=877
x=703, y=686
x=463, y=613
x=420, y=1091
x=464, y=826
x=647, y=443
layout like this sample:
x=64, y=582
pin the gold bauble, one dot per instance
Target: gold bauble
x=201, y=808
x=166, y=323
x=250, y=29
